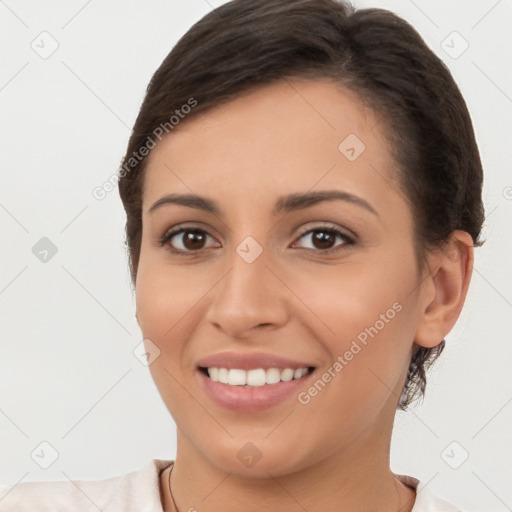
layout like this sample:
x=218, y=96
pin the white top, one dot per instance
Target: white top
x=137, y=491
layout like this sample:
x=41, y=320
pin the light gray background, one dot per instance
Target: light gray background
x=68, y=375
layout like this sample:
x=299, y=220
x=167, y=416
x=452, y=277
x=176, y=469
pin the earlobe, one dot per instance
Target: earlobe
x=451, y=268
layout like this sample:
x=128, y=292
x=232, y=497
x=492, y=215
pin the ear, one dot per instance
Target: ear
x=444, y=288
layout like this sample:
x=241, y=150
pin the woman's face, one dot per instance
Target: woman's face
x=264, y=282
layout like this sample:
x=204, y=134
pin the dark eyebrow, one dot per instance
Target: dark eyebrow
x=190, y=200
x=299, y=201
x=287, y=203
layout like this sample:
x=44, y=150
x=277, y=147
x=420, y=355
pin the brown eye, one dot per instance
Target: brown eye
x=323, y=239
x=187, y=240
x=193, y=240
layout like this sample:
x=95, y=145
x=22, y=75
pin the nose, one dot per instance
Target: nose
x=248, y=298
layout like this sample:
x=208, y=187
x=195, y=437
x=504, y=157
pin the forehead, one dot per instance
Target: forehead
x=290, y=136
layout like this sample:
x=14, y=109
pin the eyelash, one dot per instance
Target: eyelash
x=329, y=229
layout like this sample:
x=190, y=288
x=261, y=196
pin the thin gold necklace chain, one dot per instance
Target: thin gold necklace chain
x=170, y=492
x=176, y=507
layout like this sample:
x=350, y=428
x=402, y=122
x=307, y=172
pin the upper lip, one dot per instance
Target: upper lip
x=250, y=361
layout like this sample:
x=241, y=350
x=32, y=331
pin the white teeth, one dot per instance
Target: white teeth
x=256, y=377
x=273, y=376
x=223, y=375
x=287, y=374
x=237, y=377
x=214, y=374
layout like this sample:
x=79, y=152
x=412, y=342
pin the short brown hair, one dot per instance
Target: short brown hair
x=373, y=52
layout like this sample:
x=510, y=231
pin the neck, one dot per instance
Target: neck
x=355, y=478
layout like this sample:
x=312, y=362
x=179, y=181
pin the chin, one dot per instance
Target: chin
x=255, y=459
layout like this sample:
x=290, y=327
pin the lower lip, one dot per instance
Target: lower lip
x=251, y=398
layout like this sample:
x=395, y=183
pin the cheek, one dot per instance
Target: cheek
x=364, y=317
x=165, y=307
x=344, y=300
x=367, y=342
x=163, y=297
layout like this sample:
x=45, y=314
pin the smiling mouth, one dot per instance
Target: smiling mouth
x=256, y=377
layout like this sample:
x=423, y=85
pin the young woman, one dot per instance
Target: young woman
x=303, y=195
